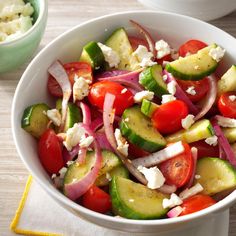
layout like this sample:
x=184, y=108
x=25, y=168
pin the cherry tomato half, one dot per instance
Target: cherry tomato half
x=97, y=200
x=196, y=203
x=167, y=118
x=135, y=42
x=201, y=87
x=136, y=152
x=50, y=151
x=191, y=46
x=178, y=170
x=227, y=104
x=122, y=101
x=74, y=68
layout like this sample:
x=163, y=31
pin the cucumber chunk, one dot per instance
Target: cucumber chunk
x=227, y=83
x=151, y=79
x=200, y=130
x=230, y=134
x=194, y=67
x=136, y=201
x=216, y=175
x=93, y=55
x=138, y=129
x=119, y=42
x=148, y=107
x=34, y=119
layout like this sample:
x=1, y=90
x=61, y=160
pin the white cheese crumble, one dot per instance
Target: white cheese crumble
x=145, y=94
x=111, y=56
x=80, y=88
x=153, y=175
x=144, y=56
x=188, y=121
x=62, y=172
x=86, y=141
x=164, y=77
x=191, y=90
x=213, y=140
x=188, y=192
x=55, y=116
x=171, y=87
x=217, y=53
x=162, y=48
x=122, y=144
x=226, y=122
x=232, y=98
x=124, y=90
x=167, y=98
x=172, y=202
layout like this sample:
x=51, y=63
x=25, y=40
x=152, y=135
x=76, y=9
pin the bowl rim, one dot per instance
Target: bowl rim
x=225, y=203
x=43, y=10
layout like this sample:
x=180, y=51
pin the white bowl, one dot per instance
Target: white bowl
x=32, y=89
x=201, y=9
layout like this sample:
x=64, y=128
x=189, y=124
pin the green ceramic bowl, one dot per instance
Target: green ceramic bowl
x=14, y=53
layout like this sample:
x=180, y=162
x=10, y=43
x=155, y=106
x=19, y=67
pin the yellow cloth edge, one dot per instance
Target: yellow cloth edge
x=15, y=221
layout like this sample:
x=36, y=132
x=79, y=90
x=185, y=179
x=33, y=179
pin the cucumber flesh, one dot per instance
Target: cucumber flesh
x=216, y=175
x=230, y=134
x=138, y=129
x=195, y=66
x=151, y=79
x=35, y=120
x=135, y=201
x=148, y=107
x=200, y=130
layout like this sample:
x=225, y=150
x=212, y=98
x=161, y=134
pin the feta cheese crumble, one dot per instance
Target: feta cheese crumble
x=153, y=175
x=145, y=94
x=164, y=77
x=111, y=56
x=191, y=90
x=122, y=144
x=188, y=121
x=167, y=98
x=162, y=48
x=213, y=140
x=232, y=98
x=226, y=122
x=144, y=56
x=55, y=116
x=124, y=90
x=86, y=141
x=217, y=53
x=80, y=88
x=171, y=87
x=172, y=202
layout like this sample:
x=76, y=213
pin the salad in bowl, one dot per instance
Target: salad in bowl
x=139, y=129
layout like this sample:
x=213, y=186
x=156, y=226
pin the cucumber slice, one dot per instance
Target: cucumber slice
x=93, y=55
x=200, y=130
x=216, y=175
x=194, y=67
x=230, y=134
x=227, y=83
x=148, y=107
x=76, y=171
x=120, y=171
x=151, y=79
x=34, y=119
x=138, y=129
x=119, y=42
x=136, y=201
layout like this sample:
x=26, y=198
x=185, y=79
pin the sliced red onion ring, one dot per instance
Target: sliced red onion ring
x=111, y=73
x=148, y=37
x=180, y=94
x=81, y=155
x=85, y=112
x=69, y=155
x=160, y=156
x=223, y=142
x=209, y=99
x=78, y=188
x=58, y=72
x=175, y=212
x=103, y=142
x=96, y=124
x=167, y=189
x=109, y=131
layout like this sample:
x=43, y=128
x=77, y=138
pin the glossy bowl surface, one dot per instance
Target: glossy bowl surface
x=175, y=29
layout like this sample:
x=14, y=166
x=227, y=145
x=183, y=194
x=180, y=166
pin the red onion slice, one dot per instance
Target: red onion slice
x=111, y=73
x=160, y=156
x=103, y=142
x=148, y=37
x=85, y=112
x=175, y=212
x=58, y=72
x=167, y=189
x=96, y=124
x=81, y=155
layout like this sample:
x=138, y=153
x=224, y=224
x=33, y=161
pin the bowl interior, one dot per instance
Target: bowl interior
x=32, y=88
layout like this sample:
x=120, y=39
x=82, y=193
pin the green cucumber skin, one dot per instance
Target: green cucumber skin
x=148, y=108
x=148, y=80
x=73, y=116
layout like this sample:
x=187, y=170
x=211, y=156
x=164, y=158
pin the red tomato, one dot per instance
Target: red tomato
x=167, y=118
x=205, y=150
x=191, y=46
x=97, y=200
x=178, y=170
x=165, y=58
x=135, y=151
x=226, y=106
x=74, y=68
x=122, y=100
x=50, y=152
x=196, y=203
x=201, y=87
x=135, y=42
